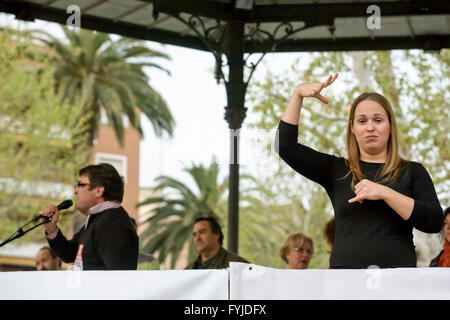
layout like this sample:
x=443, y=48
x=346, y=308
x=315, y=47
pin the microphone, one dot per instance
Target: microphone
x=63, y=205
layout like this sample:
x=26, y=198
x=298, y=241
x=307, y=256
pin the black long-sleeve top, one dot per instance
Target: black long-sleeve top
x=109, y=242
x=371, y=232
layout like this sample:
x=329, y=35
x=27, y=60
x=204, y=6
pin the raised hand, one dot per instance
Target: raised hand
x=313, y=90
x=292, y=112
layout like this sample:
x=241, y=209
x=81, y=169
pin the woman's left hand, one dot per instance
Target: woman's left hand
x=368, y=190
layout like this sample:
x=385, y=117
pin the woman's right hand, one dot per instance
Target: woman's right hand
x=304, y=90
x=312, y=90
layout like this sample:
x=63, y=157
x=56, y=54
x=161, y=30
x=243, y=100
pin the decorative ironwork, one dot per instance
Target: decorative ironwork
x=215, y=36
x=212, y=37
x=269, y=41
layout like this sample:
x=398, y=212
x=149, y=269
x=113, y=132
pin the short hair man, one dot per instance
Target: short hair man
x=46, y=259
x=208, y=240
x=108, y=240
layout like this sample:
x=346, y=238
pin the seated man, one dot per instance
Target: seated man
x=208, y=239
x=46, y=259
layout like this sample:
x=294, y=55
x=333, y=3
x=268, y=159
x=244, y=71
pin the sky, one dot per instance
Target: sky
x=197, y=104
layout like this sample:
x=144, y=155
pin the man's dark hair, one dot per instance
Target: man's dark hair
x=214, y=224
x=105, y=175
x=52, y=253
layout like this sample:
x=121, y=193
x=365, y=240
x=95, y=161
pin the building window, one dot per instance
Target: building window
x=104, y=119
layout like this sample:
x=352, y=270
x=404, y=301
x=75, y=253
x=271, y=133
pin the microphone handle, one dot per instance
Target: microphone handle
x=62, y=206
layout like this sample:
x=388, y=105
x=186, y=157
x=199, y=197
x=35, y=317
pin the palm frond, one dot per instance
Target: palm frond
x=110, y=74
x=170, y=222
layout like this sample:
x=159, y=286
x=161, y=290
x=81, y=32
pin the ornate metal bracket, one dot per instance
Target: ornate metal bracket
x=215, y=37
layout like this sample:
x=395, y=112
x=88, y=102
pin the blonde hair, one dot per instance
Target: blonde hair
x=295, y=240
x=394, y=163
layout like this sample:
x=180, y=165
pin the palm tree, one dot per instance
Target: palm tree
x=109, y=74
x=171, y=221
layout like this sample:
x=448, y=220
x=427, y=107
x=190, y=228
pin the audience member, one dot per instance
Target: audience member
x=297, y=251
x=46, y=259
x=443, y=258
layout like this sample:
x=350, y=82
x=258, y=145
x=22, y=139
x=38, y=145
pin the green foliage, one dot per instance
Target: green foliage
x=40, y=141
x=109, y=74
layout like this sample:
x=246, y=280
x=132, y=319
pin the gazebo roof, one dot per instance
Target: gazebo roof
x=270, y=25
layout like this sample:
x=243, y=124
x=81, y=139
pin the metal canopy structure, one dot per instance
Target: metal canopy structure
x=235, y=31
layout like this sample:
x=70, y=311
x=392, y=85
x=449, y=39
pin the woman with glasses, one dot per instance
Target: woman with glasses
x=297, y=251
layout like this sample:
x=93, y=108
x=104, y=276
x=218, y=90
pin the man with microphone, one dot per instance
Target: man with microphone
x=108, y=240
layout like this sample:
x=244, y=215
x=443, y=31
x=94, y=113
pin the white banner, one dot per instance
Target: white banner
x=115, y=285
x=241, y=282
x=253, y=282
